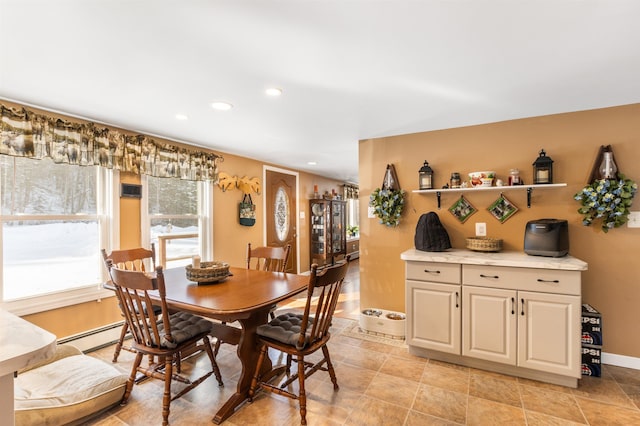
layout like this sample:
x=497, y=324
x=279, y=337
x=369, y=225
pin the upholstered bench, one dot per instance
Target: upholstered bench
x=66, y=389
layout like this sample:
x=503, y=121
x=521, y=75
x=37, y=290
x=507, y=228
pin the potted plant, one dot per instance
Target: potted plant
x=352, y=230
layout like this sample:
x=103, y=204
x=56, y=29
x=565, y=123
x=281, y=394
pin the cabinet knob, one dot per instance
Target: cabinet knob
x=431, y=272
x=540, y=280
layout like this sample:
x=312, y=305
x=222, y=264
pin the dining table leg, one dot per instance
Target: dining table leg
x=248, y=353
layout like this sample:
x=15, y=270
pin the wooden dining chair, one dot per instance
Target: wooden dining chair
x=300, y=335
x=132, y=260
x=272, y=259
x=267, y=258
x=162, y=337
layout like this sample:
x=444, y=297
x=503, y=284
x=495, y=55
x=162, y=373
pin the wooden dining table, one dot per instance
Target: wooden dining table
x=246, y=296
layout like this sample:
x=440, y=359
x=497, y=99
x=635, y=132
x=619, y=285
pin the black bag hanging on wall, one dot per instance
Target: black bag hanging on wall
x=247, y=211
x=430, y=234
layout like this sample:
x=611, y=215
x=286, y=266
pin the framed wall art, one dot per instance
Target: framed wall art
x=462, y=209
x=502, y=209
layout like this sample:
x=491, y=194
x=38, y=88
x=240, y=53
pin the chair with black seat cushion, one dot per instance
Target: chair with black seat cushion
x=300, y=335
x=164, y=338
x=134, y=260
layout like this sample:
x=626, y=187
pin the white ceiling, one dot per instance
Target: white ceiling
x=350, y=69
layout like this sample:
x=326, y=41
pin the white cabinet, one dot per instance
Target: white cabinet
x=433, y=316
x=433, y=306
x=503, y=322
x=521, y=319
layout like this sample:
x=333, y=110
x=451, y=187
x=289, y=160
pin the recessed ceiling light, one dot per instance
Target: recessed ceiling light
x=311, y=163
x=273, y=91
x=221, y=106
x=181, y=117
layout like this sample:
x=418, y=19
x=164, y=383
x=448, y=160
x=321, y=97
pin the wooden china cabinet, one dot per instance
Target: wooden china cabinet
x=328, y=237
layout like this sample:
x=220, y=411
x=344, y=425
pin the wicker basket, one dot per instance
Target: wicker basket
x=484, y=244
x=208, y=272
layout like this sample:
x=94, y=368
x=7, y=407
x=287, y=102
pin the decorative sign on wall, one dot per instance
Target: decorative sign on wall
x=462, y=209
x=502, y=209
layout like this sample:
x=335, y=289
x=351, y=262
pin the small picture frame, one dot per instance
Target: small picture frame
x=502, y=209
x=462, y=209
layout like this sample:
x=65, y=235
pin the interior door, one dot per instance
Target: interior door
x=280, y=220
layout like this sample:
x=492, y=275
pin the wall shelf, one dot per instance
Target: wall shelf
x=528, y=188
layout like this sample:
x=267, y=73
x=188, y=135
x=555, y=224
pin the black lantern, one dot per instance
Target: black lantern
x=425, y=177
x=543, y=169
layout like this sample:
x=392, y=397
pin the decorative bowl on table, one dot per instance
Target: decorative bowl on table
x=208, y=272
x=484, y=178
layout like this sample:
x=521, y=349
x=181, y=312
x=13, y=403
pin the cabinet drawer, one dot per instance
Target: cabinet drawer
x=530, y=279
x=435, y=272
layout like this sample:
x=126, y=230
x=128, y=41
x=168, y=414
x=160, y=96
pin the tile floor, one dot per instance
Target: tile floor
x=381, y=384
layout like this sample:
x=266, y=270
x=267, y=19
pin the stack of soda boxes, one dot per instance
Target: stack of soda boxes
x=591, y=341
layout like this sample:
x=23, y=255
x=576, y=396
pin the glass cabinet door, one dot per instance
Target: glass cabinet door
x=318, y=221
x=337, y=228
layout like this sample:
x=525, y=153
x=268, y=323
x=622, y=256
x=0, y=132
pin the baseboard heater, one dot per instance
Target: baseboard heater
x=95, y=339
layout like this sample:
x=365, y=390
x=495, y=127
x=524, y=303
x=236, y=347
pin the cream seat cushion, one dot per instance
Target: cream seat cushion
x=66, y=389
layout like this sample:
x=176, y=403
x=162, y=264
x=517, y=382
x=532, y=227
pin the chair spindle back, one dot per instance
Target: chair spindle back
x=267, y=258
x=323, y=291
x=132, y=289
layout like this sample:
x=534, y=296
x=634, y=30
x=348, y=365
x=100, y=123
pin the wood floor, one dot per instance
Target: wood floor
x=381, y=384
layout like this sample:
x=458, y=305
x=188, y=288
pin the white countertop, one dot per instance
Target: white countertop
x=506, y=258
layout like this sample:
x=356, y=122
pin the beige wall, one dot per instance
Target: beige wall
x=612, y=283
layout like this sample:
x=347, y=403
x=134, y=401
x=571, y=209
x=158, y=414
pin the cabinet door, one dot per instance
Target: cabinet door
x=549, y=332
x=433, y=316
x=318, y=237
x=489, y=324
x=338, y=228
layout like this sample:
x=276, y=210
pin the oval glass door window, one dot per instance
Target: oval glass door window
x=281, y=214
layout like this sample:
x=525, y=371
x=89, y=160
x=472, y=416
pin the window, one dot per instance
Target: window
x=178, y=219
x=353, y=215
x=55, y=219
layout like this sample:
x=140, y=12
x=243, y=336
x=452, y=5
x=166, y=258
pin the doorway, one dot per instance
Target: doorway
x=281, y=212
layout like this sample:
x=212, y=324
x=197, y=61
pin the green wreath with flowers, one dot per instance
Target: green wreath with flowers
x=607, y=200
x=387, y=205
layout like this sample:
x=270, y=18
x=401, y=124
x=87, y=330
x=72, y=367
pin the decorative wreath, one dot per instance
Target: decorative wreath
x=387, y=205
x=607, y=200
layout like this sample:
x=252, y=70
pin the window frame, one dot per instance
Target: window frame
x=108, y=218
x=204, y=216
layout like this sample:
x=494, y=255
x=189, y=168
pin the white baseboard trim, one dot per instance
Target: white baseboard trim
x=96, y=338
x=621, y=360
